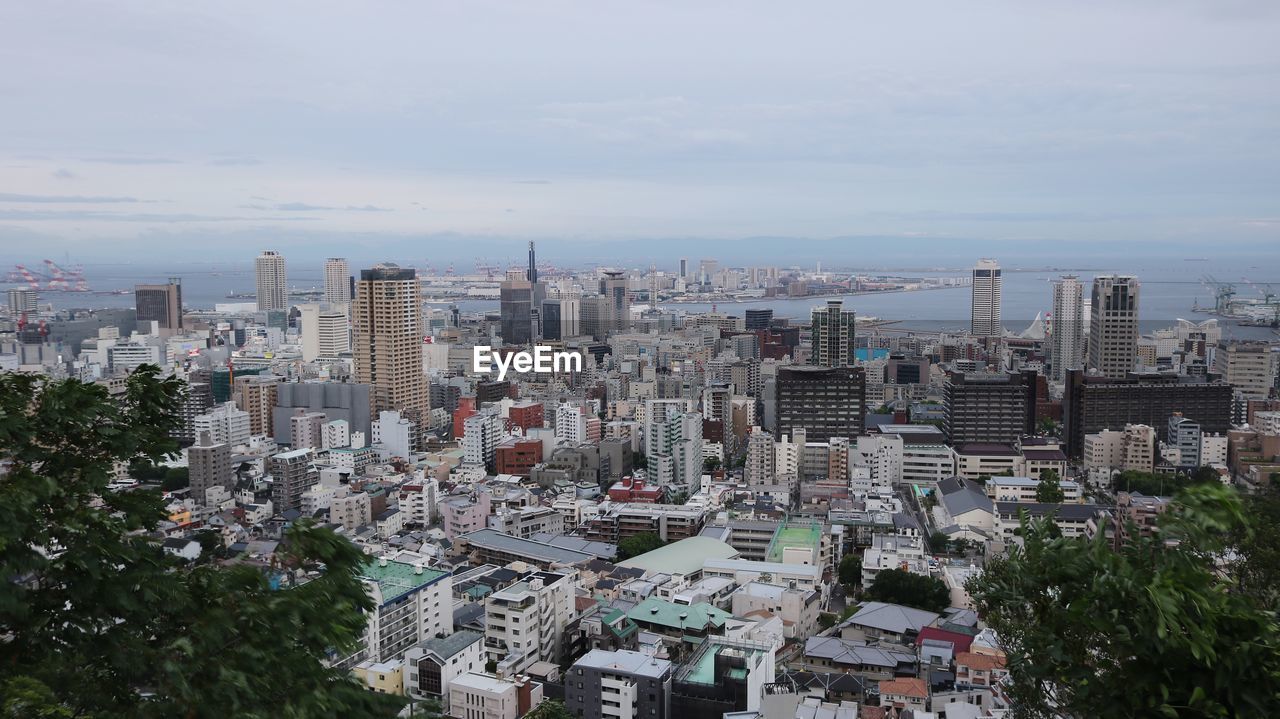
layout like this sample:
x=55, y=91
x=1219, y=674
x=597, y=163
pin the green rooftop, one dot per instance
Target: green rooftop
x=806, y=536
x=397, y=579
x=678, y=616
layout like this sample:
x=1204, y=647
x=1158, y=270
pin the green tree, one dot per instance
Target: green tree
x=638, y=544
x=1205, y=474
x=908, y=589
x=1256, y=551
x=549, y=709
x=639, y=461
x=99, y=622
x=939, y=542
x=1049, y=490
x=1146, y=629
x=850, y=570
x=710, y=464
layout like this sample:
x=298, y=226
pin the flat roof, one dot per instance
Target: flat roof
x=746, y=565
x=493, y=539
x=396, y=578
x=683, y=557
x=625, y=661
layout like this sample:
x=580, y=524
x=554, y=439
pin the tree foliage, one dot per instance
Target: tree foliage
x=1256, y=550
x=99, y=622
x=1049, y=490
x=909, y=589
x=549, y=709
x=939, y=543
x=1145, y=629
x=850, y=570
x=1157, y=485
x=638, y=544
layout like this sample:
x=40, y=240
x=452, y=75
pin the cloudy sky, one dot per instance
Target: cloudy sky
x=163, y=129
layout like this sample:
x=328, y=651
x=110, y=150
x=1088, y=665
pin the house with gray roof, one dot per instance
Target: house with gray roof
x=893, y=622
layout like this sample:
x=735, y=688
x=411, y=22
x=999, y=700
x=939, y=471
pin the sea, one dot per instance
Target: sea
x=1170, y=290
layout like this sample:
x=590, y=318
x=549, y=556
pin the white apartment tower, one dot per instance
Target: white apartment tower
x=985, y=313
x=337, y=281
x=1113, y=325
x=326, y=333
x=273, y=290
x=1066, y=344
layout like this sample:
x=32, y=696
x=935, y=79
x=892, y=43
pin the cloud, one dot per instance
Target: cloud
x=134, y=160
x=63, y=173
x=99, y=216
x=305, y=207
x=530, y=182
x=235, y=162
x=68, y=199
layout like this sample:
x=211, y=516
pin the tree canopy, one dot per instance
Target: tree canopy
x=638, y=544
x=1148, y=628
x=1157, y=485
x=1049, y=490
x=100, y=622
x=851, y=570
x=909, y=589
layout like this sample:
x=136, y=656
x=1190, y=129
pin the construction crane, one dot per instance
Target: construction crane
x=1223, y=294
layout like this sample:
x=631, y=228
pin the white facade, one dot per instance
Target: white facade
x=273, y=292
x=225, y=424
x=326, y=333
x=481, y=434
x=337, y=281
x=484, y=696
x=1066, y=344
x=525, y=622
x=571, y=423
x=336, y=433
x=883, y=455
x=393, y=433
x=985, y=317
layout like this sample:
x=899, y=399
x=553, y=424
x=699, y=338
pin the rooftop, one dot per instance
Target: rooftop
x=624, y=661
x=678, y=616
x=537, y=551
x=686, y=556
x=446, y=647
x=396, y=579
x=891, y=617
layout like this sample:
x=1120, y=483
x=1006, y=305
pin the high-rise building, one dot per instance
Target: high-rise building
x=337, y=281
x=525, y=622
x=346, y=401
x=831, y=335
x=387, y=316
x=594, y=317
x=256, y=394
x=1249, y=367
x=673, y=448
x=1184, y=435
x=1113, y=326
x=1066, y=343
x=618, y=302
x=161, y=304
x=516, y=309
x=989, y=406
x=326, y=333
x=273, y=288
x=22, y=299
x=684, y=268
x=209, y=464
x=197, y=401
x=761, y=458
x=759, y=319
x=824, y=402
x=292, y=473
x=1091, y=404
x=985, y=312
x=532, y=274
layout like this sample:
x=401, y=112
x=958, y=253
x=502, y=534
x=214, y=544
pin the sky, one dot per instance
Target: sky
x=134, y=131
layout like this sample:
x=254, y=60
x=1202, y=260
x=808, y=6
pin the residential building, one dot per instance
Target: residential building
x=291, y=474
x=619, y=685
x=387, y=317
x=484, y=696
x=989, y=406
x=225, y=424
x=525, y=622
x=209, y=465
x=824, y=402
x=256, y=394
x=412, y=604
x=1184, y=438
x=326, y=333
x=1091, y=404
x=161, y=304
x=1066, y=342
x=831, y=336
x=273, y=288
x=1249, y=367
x=306, y=429
x=432, y=666
x=1023, y=489
x=337, y=281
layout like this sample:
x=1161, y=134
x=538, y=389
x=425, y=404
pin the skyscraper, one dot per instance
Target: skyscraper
x=1113, y=325
x=325, y=332
x=831, y=335
x=614, y=288
x=273, y=292
x=22, y=299
x=532, y=274
x=516, y=309
x=337, y=281
x=985, y=314
x=161, y=304
x=209, y=465
x=1066, y=344
x=387, y=316
x=684, y=267
x=825, y=402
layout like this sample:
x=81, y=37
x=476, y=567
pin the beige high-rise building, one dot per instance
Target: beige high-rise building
x=1249, y=367
x=326, y=333
x=1113, y=325
x=1066, y=344
x=387, y=320
x=337, y=281
x=256, y=394
x=273, y=290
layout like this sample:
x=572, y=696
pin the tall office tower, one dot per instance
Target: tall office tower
x=761, y=458
x=593, y=315
x=550, y=317
x=273, y=289
x=516, y=308
x=325, y=333
x=614, y=288
x=532, y=274
x=1066, y=344
x=209, y=464
x=758, y=320
x=22, y=300
x=824, y=402
x=832, y=336
x=989, y=406
x=387, y=316
x=337, y=281
x=684, y=267
x=985, y=314
x=292, y=473
x=1113, y=325
x=161, y=304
